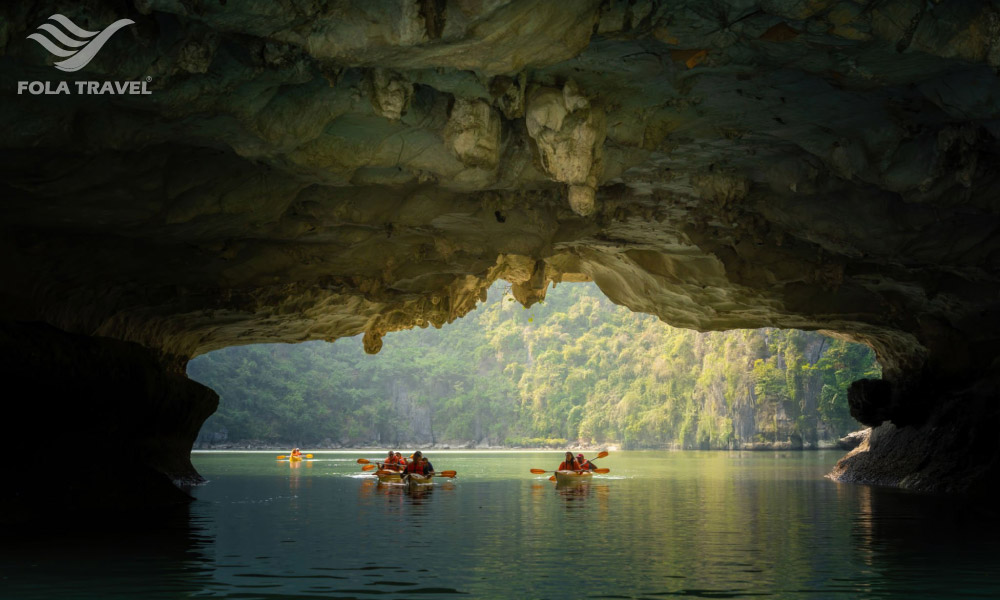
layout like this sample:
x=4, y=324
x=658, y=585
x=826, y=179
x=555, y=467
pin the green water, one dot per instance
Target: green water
x=661, y=524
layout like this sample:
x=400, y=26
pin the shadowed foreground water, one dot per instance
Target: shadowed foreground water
x=661, y=524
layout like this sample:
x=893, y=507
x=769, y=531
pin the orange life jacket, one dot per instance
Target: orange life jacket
x=571, y=466
x=415, y=467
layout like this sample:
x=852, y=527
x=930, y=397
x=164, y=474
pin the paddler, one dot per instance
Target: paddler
x=296, y=452
x=585, y=464
x=419, y=465
x=569, y=463
x=400, y=460
x=390, y=462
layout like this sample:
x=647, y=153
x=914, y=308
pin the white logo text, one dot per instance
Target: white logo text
x=83, y=88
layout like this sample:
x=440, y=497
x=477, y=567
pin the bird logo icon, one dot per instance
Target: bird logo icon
x=71, y=42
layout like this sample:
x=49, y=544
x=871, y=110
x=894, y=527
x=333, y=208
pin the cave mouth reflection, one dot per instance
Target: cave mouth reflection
x=572, y=370
x=707, y=524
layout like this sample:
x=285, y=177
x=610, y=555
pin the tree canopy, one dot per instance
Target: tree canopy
x=574, y=369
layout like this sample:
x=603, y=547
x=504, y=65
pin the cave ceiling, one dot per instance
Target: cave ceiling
x=313, y=170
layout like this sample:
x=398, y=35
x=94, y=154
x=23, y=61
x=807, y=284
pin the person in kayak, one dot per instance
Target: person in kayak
x=400, y=460
x=390, y=462
x=418, y=465
x=569, y=463
x=585, y=464
x=296, y=452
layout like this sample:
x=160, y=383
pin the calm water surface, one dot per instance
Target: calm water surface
x=661, y=524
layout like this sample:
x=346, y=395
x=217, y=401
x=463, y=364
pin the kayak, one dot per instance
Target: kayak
x=419, y=482
x=570, y=477
x=387, y=477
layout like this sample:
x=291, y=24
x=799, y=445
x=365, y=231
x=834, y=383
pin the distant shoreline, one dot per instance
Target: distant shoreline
x=383, y=449
x=846, y=443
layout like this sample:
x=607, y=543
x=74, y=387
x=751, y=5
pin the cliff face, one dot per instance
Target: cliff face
x=316, y=170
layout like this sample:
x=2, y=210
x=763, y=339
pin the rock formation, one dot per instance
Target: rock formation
x=316, y=170
x=569, y=134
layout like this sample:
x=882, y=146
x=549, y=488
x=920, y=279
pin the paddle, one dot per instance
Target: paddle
x=380, y=471
x=601, y=454
x=383, y=467
x=365, y=461
x=388, y=472
x=448, y=474
x=600, y=471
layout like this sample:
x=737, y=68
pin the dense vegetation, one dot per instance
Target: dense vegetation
x=574, y=369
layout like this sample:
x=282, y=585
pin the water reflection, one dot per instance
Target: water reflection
x=861, y=528
x=419, y=495
x=936, y=542
x=574, y=494
x=108, y=556
x=399, y=492
x=297, y=482
x=683, y=524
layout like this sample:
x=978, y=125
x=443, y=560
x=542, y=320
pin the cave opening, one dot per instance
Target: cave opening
x=574, y=370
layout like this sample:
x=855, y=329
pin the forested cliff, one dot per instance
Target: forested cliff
x=575, y=369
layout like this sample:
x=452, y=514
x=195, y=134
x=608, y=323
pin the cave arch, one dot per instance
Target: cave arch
x=575, y=368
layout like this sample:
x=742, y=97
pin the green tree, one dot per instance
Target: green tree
x=577, y=367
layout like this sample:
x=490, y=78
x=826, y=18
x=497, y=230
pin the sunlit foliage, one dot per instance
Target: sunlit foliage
x=575, y=369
